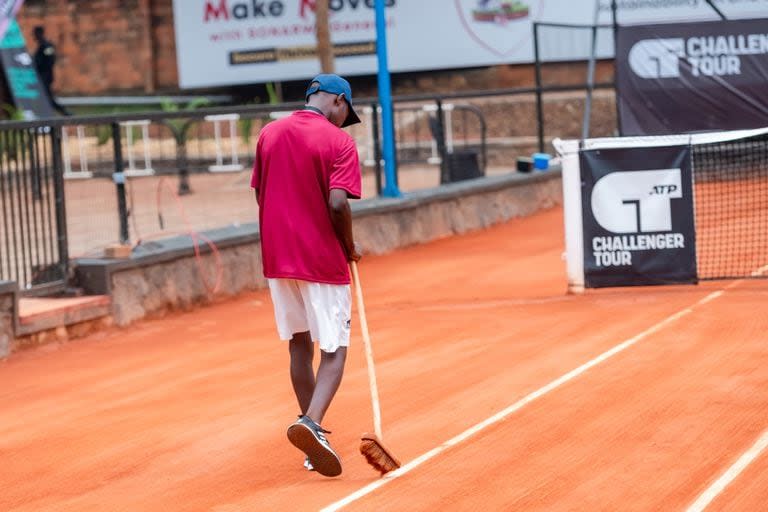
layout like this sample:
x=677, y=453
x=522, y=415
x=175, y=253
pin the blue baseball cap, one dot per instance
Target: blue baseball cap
x=334, y=84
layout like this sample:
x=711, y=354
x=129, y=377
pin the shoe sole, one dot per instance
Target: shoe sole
x=323, y=460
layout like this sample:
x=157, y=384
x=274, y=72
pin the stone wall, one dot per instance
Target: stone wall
x=180, y=284
x=8, y=308
x=165, y=275
x=383, y=225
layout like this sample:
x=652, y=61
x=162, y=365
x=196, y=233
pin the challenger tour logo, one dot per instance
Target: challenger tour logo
x=704, y=55
x=637, y=207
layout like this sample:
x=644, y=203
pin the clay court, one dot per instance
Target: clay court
x=499, y=392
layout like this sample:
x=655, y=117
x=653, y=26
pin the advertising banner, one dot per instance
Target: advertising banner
x=228, y=42
x=679, y=78
x=8, y=10
x=638, y=216
x=24, y=85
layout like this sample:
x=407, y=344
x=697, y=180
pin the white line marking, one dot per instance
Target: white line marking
x=516, y=406
x=730, y=475
x=712, y=296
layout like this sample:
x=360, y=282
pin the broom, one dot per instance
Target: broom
x=371, y=445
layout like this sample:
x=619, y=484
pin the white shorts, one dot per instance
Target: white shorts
x=325, y=310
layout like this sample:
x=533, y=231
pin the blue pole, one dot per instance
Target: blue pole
x=385, y=100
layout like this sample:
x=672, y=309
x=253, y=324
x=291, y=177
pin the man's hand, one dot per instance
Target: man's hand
x=355, y=254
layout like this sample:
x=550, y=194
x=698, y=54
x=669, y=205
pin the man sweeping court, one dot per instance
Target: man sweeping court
x=306, y=168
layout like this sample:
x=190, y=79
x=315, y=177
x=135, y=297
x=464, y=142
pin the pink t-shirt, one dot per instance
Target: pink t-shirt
x=299, y=159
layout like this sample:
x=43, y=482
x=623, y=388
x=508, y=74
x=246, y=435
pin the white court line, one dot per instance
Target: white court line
x=499, y=416
x=730, y=475
x=712, y=296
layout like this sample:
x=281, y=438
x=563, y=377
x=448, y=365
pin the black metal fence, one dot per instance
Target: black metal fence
x=33, y=232
x=584, y=45
x=439, y=133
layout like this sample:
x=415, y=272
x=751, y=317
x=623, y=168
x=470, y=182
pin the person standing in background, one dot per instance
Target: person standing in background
x=45, y=60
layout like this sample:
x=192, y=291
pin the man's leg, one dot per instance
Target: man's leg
x=292, y=325
x=49, y=92
x=328, y=312
x=307, y=434
x=328, y=380
x=301, y=349
x=60, y=108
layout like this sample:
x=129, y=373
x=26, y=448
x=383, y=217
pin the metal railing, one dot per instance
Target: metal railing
x=33, y=244
x=429, y=132
x=577, y=38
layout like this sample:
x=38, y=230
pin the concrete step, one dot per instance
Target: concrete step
x=45, y=314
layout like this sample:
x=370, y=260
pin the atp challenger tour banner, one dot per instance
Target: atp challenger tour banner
x=227, y=42
x=638, y=216
x=692, y=77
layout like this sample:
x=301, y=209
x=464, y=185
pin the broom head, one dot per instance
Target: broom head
x=377, y=454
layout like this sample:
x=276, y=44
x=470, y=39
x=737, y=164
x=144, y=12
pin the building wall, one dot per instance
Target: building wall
x=106, y=46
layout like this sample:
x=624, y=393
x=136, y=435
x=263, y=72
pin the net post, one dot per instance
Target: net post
x=572, y=214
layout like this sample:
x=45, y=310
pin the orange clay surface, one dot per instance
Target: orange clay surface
x=189, y=412
x=751, y=491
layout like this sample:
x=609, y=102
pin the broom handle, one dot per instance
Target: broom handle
x=368, y=352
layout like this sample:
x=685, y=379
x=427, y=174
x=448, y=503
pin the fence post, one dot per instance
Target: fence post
x=181, y=163
x=119, y=178
x=586, y=122
x=539, y=99
x=180, y=135
x=616, y=94
x=389, y=149
x=34, y=158
x=59, y=198
x=376, y=147
x=444, y=170
x=483, y=142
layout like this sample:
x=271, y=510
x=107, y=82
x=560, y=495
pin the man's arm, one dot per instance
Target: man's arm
x=256, y=174
x=341, y=218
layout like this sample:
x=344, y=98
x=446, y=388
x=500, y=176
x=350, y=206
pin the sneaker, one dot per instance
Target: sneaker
x=309, y=437
x=308, y=465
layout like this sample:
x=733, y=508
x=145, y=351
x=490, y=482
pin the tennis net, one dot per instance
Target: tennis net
x=731, y=207
x=721, y=178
